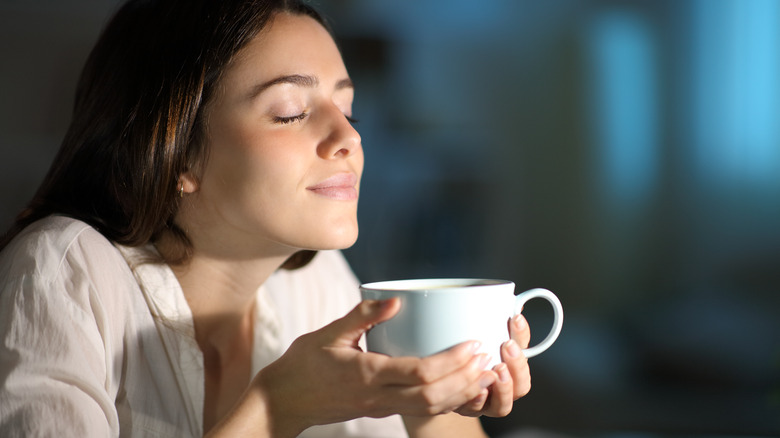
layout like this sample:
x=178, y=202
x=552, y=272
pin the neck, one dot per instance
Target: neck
x=222, y=298
x=220, y=283
x=221, y=292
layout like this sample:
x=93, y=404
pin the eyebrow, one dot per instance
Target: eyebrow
x=299, y=80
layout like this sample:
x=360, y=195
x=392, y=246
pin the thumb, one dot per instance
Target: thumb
x=346, y=331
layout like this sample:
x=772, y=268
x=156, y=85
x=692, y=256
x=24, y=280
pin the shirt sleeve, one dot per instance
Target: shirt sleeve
x=55, y=358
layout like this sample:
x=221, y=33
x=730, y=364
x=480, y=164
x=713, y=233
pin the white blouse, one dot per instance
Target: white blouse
x=94, y=343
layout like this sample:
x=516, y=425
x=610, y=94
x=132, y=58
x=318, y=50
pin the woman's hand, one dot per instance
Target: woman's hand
x=324, y=377
x=514, y=375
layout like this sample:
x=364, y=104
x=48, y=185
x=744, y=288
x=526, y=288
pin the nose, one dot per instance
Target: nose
x=340, y=138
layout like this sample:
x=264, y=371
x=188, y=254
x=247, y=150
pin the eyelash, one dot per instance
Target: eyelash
x=287, y=120
x=303, y=115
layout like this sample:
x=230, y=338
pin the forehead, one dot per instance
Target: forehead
x=289, y=44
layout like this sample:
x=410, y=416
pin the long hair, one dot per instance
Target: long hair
x=138, y=118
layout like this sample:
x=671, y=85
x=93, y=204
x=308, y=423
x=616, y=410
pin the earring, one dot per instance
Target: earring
x=181, y=190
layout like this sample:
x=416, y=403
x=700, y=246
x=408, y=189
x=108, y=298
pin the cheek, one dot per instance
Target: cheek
x=255, y=164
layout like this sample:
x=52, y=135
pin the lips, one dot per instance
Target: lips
x=341, y=187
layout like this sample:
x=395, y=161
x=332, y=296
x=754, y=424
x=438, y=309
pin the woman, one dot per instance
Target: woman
x=141, y=294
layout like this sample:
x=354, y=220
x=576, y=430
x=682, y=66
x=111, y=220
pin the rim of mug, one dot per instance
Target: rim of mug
x=432, y=284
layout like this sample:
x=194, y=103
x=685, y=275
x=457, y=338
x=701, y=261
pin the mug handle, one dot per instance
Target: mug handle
x=522, y=298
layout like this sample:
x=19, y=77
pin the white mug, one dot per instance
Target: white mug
x=437, y=314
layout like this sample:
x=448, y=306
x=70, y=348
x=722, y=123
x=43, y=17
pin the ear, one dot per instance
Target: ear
x=188, y=183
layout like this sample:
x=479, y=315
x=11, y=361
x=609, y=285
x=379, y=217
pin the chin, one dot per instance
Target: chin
x=323, y=240
x=342, y=243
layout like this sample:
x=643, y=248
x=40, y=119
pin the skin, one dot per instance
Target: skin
x=276, y=130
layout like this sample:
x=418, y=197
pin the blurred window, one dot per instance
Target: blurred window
x=623, y=104
x=734, y=79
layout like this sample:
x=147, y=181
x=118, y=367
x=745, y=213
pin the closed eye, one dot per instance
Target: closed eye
x=291, y=119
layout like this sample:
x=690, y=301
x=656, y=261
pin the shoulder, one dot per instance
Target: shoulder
x=63, y=312
x=44, y=248
x=60, y=276
x=63, y=258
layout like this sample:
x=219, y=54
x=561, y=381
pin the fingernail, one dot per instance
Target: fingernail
x=478, y=361
x=520, y=322
x=486, y=380
x=475, y=361
x=512, y=349
x=474, y=346
x=503, y=373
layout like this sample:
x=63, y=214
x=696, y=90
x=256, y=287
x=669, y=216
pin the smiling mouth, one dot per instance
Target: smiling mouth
x=341, y=187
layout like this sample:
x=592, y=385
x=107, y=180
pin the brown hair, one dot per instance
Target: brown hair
x=138, y=118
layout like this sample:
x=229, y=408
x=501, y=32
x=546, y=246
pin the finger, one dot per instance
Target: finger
x=517, y=366
x=346, y=331
x=419, y=371
x=519, y=331
x=475, y=406
x=451, y=391
x=485, y=381
x=499, y=404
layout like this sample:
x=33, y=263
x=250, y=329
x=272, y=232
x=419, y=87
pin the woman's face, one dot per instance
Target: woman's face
x=284, y=162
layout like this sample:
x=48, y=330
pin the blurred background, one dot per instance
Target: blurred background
x=624, y=154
